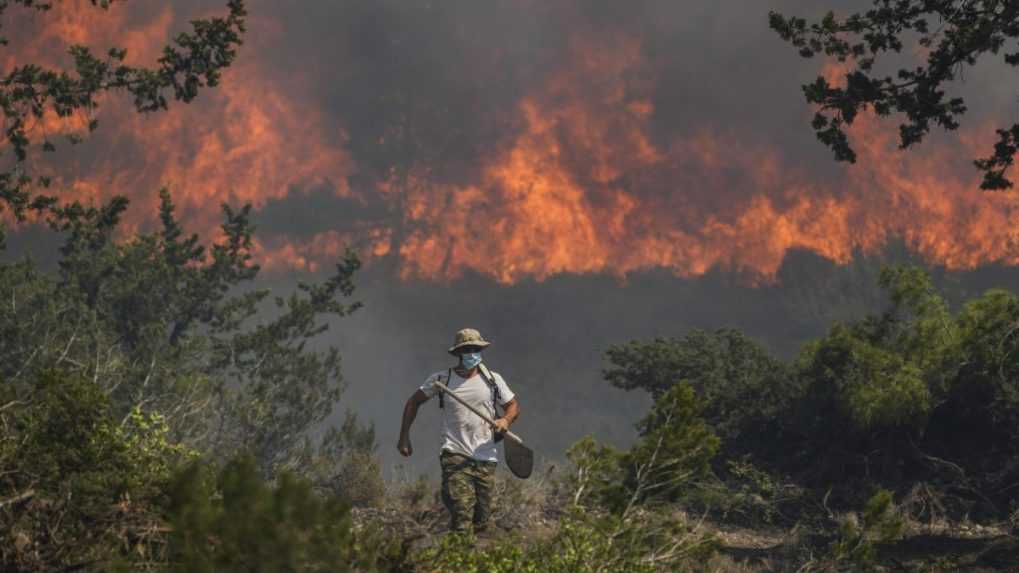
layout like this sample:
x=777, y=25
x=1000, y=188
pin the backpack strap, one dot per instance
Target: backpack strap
x=489, y=379
x=442, y=395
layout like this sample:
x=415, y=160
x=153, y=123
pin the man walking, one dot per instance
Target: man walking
x=468, y=455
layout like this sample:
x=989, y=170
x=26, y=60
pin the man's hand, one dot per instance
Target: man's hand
x=501, y=425
x=404, y=446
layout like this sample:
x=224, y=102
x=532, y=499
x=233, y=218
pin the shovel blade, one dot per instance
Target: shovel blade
x=519, y=458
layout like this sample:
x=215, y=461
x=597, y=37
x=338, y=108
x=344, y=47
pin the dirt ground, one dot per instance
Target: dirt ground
x=967, y=549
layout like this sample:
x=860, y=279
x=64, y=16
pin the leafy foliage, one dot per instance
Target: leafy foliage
x=881, y=522
x=140, y=354
x=81, y=490
x=952, y=35
x=163, y=324
x=743, y=388
x=859, y=387
x=357, y=477
x=598, y=474
x=78, y=487
x=581, y=544
x=237, y=522
x=916, y=391
x=675, y=447
x=977, y=420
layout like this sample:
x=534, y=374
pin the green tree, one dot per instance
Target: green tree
x=953, y=34
x=744, y=389
x=858, y=387
x=977, y=423
x=892, y=389
x=161, y=323
x=872, y=386
x=140, y=353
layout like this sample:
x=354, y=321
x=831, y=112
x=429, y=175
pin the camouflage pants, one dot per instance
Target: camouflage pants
x=467, y=483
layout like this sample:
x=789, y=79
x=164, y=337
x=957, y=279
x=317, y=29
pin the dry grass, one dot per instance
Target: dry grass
x=778, y=529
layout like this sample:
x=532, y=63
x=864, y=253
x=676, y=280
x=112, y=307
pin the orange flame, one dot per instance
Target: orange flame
x=249, y=140
x=585, y=185
x=584, y=189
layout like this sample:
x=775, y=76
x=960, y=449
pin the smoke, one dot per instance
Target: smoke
x=549, y=337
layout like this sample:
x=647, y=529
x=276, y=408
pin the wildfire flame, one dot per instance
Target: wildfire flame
x=584, y=189
x=584, y=186
x=249, y=140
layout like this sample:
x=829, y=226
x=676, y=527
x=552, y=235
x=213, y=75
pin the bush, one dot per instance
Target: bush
x=675, y=447
x=84, y=491
x=581, y=544
x=93, y=486
x=360, y=480
x=744, y=390
x=872, y=385
x=915, y=381
x=858, y=388
x=881, y=522
x=237, y=522
x=982, y=406
x=597, y=476
x=749, y=496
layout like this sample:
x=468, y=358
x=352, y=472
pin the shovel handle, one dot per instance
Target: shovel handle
x=483, y=416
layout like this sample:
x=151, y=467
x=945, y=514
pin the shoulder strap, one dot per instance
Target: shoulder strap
x=489, y=379
x=442, y=395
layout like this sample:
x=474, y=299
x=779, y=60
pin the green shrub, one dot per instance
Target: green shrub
x=238, y=522
x=748, y=495
x=984, y=397
x=863, y=387
x=96, y=484
x=597, y=475
x=881, y=523
x=675, y=447
x=744, y=390
x=582, y=543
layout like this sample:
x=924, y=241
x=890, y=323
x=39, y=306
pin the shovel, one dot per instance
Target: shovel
x=519, y=458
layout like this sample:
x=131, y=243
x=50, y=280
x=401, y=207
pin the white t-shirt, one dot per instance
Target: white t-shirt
x=463, y=431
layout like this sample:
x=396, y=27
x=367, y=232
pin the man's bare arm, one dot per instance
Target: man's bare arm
x=410, y=411
x=512, y=410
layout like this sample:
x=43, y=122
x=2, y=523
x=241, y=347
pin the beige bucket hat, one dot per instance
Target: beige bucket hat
x=468, y=337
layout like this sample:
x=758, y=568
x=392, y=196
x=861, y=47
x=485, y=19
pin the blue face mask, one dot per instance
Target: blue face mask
x=470, y=360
